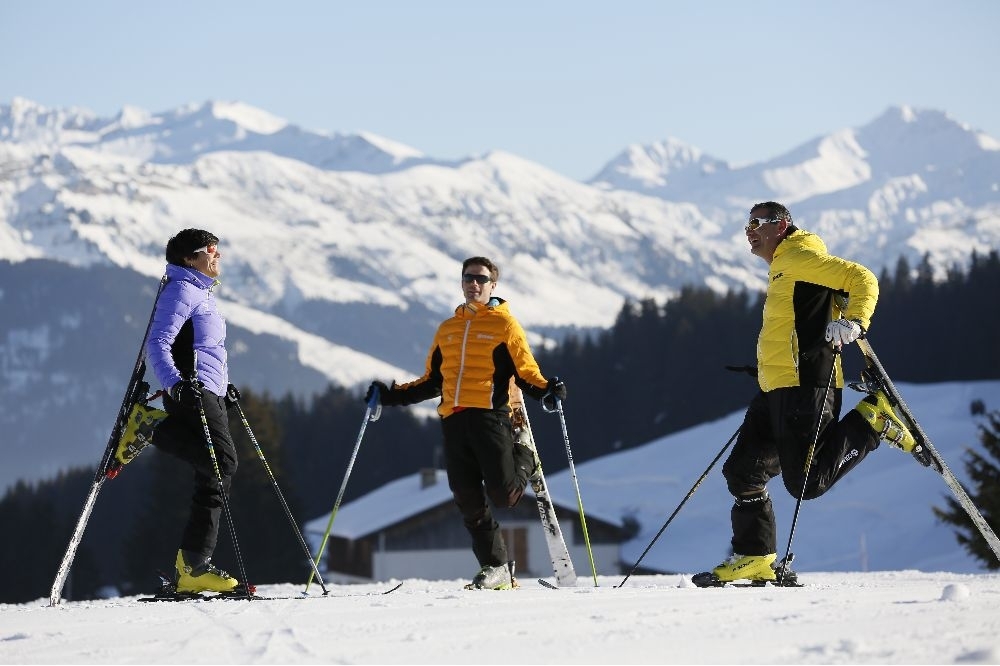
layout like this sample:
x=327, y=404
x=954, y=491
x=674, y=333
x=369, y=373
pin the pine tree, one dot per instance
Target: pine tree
x=984, y=474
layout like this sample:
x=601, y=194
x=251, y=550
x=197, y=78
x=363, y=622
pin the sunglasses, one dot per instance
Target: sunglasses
x=478, y=279
x=208, y=249
x=755, y=223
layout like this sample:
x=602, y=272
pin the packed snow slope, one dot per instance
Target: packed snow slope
x=901, y=617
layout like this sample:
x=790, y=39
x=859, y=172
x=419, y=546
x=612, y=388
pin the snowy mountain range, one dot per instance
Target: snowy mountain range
x=342, y=251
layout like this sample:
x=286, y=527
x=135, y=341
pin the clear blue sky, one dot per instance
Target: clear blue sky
x=566, y=84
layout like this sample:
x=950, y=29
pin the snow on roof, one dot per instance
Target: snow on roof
x=405, y=497
x=388, y=505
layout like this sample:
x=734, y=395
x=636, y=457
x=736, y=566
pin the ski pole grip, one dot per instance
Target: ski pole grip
x=374, y=405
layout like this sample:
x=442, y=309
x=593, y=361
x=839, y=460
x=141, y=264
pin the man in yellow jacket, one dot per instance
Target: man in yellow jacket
x=815, y=304
x=470, y=364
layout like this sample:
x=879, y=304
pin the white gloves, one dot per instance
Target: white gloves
x=843, y=331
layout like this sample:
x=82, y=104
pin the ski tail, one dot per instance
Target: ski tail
x=876, y=378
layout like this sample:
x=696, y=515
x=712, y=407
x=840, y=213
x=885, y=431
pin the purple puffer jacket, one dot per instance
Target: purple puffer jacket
x=187, y=318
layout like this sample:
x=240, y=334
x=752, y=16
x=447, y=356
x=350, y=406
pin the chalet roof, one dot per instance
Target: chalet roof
x=406, y=497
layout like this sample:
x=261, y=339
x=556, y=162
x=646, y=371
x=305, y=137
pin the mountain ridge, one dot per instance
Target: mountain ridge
x=349, y=246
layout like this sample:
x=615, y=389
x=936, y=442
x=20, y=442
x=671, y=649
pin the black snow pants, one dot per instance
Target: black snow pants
x=777, y=431
x=482, y=462
x=182, y=435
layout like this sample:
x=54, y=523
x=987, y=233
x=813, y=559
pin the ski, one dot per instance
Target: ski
x=875, y=378
x=709, y=579
x=783, y=577
x=562, y=564
x=110, y=466
x=168, y=593
x=472, y=586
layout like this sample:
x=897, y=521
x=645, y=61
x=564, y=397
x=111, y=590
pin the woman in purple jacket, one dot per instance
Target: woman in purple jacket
x=186, y=350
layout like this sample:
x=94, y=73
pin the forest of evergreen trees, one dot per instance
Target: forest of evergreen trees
x=660, y=368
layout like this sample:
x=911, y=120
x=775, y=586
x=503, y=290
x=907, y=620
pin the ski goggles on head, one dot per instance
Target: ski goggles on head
x=754, y=223
x=208, y=249
x=478, y=279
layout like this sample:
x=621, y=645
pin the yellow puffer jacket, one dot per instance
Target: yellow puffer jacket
x=472, y=359
x=803, y=283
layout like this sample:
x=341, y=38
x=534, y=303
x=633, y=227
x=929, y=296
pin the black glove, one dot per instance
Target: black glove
x=185, y=392
x=388, y=396
x=232, y=396
x=556, y=388
x=382, y=390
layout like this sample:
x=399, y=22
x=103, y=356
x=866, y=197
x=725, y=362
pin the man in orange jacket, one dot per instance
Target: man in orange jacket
x=470, y=364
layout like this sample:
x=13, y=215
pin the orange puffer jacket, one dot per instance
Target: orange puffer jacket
x=473, y=357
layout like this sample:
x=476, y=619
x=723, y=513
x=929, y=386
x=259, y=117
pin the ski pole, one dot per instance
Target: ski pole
x=576, y=483
x=218, y=475
x=372, y=413
x=805, y=477
x=683, y=501
x=234, y=396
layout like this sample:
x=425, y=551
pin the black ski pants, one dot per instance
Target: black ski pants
x=482, y=462
x=777, y=431
x=182, y=435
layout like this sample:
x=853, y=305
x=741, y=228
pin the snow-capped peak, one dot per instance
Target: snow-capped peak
x=398, y=151
x=656, y=165
x=131, y=117
x=247, y=117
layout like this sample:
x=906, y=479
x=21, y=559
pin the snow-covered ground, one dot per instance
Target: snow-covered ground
x=903, y=617
x=848, y=616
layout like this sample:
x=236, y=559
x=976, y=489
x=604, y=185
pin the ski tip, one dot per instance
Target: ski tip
x=545, y=583
x=706, y=579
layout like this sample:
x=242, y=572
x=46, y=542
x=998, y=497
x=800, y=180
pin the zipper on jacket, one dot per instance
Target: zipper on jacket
x=793, y=343
x=461, y=363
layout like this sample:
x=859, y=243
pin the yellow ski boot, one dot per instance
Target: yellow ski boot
x=750, y=567
x=875, y=409
x=202, y=577
x=142, y=422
